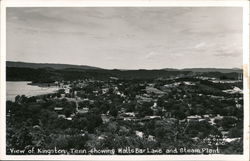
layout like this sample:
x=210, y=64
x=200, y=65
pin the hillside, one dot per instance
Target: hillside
x=19, y=71
x=46, y=65
x=221, y=70
x=72, y=67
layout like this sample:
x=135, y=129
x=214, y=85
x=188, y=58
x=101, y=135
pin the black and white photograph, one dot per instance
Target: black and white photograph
x=125, y=81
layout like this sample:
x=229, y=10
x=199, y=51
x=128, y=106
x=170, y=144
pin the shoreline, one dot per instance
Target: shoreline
x=39, y=92
x=43, y=84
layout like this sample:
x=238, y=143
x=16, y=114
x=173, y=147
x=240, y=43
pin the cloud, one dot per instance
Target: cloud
x=126, y=37
x=151, y=55
x=227, y=54
x=200, y=45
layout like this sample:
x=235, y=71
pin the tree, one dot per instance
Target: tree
x=93, y=122
x=160, y=102
x=104, y=107
x=80, y=123
x=113, y=111
x=227, y=122
x=235, y=132
x=145, y=109
x=67, y=112
x=61, y=91
x=165, y=131
x=201, y=129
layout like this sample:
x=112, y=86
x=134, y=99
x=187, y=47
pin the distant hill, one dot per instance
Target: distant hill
x=79, y=67
x=205, y=70
x=170, y=69
x=221, y=70
x=47, y=65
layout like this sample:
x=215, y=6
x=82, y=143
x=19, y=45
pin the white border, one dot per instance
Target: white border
x=125, y=3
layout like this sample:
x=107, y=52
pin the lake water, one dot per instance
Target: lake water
x=14, y=88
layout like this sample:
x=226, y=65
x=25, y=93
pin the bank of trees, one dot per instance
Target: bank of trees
x=35, y=122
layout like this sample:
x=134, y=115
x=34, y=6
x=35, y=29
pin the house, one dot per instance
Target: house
x=67, y=90
x=154, y=90
x=151, y=118
x=141, y=99
x=195, y=139
x=130, y=114
x=201, y=120
x=58, y=108
x=127, y=119
x=105, y=90
x=113, y=78
x=189, y=83
x=172, y=85
x=234, y=90
x=36, y=127
x=39, y=100
x=168, y=115
x=83, y=110
x=151, y=138
x=102, y=137
x=206, y=116
x=219, y=117
x=193, y=118
x=229, y=140
x=69, y=118
x=238, y=105
x=139, y=133
x=105, y=118
x=62, y=116
x=224, y=134
x=212, y=120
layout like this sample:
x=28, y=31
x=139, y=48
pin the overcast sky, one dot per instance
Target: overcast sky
x=127, y=38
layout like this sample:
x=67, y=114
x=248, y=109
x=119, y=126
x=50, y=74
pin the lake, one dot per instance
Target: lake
x=14, y=88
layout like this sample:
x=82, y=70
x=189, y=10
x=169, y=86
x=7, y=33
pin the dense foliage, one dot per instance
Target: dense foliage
x=121, y=113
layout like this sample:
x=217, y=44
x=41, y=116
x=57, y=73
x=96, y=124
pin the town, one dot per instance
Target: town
x=175, y=112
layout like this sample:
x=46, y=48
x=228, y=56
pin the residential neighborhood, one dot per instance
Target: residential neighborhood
x=181, y=111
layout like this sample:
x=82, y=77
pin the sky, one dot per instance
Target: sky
x=127, y=37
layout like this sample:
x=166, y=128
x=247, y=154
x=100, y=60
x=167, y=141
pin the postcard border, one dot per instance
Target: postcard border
x=126, y=3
